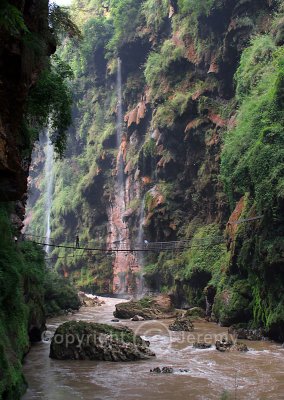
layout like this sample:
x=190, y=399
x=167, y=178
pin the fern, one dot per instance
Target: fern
x=12, y=20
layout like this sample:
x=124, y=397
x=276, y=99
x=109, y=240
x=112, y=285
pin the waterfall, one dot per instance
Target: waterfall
x=140, y=243
x=119, y=102
x=119, y=124
x=48, y=173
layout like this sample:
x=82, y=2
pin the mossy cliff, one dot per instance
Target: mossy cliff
x=26, y=73
x=202, y=147
x=29, y=292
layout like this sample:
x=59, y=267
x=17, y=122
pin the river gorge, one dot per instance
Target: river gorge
x=257, y=374
x=142, y=153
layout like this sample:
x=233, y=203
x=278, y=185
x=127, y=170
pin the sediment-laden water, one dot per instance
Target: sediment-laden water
x=258, y=374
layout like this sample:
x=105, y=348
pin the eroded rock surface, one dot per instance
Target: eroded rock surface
x=159, y=307
x=89, y=301
x=182, y=324
x=79, y=340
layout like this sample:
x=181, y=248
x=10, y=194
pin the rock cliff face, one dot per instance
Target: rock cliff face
x=183, y=166
x=26, y=42
x=19, y=69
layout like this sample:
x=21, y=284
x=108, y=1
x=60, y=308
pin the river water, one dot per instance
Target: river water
x=257, y=374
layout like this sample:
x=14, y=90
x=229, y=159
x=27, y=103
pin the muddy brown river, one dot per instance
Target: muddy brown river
x=257, y=374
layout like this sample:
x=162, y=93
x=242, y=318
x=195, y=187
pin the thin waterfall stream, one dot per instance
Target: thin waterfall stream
x=118, y=227
x=49, y=178
x=140, y=244
x=120, y=163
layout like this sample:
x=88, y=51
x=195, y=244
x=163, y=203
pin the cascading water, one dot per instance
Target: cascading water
x=118, y=227
x=125, y=267
x=140, y=243
x=140, y=239
x=120, y=177
x=48, y=172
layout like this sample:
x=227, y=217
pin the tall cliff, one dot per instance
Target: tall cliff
x=199, y=149
x=26, y=75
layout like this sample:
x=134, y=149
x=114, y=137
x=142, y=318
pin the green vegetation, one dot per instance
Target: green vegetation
x=81, y=328
x=158, y=65
x=126, y=16
x=14, y=313
x=173, y=154
x=252, y=163
x=59, y=294
x=49, y=103
x=173, y=108
x=27, y=292
x=62, y=24
x=11, y=19
x=251, y=160
x=155, y=13
x=196, y=8
x=201, y=265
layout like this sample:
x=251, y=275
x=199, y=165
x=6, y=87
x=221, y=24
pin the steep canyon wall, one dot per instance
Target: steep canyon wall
x=200, y=148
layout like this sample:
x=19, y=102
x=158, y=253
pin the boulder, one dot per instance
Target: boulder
x=182, y=324
x=228, y=345
x=156, y=370
x=195, y=312
x=224, y=345
x=238, y=346
x=167, y=370
x=89, y=300
x=247, y=334
x=163, y=370
x=158, y=307
x=79, y=340
x=137, y=318
x=201, y=345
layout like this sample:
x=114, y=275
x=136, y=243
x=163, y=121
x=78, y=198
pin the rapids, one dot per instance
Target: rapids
x=258, y=374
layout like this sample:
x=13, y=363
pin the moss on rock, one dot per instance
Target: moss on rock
x=79, y=340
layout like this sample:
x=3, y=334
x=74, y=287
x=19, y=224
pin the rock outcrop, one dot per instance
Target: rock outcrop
x=163, y=370
x=229, y=345
x=159, y=307
x=247, y=334
x=201, y=345
x=195, y=312
x=183, y=324
x=20, y=67
x=90, y=301
x=89, y=341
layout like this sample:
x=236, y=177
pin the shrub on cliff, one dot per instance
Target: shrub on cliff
x=126, y=16
x=252, y=164
x=253, y=151
x=49, y=103
x=21, y=304
x=59, y=295
x=234, y=305
x=197, y=8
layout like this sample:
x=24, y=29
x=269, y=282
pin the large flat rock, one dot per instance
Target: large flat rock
x=79, y=340
x=158, y=307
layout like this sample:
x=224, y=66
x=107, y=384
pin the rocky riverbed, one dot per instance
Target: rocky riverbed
x=196, y=373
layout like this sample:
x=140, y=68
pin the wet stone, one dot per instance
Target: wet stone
x=182, y=324
x=201, y=345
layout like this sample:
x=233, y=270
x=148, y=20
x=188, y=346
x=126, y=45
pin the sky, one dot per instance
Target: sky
x=63, y=2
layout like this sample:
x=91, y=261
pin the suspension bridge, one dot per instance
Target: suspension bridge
x=116, y=247
x=122, y=246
